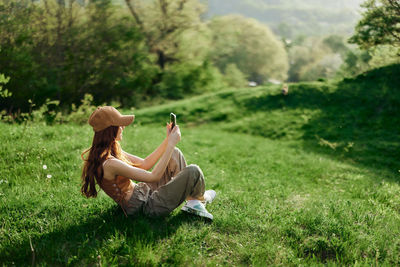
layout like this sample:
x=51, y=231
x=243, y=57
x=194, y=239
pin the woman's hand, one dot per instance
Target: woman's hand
x=169, y=125
x=174, y=136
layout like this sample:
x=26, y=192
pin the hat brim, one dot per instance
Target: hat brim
x=125, y=120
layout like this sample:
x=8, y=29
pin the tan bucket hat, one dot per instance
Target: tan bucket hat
x=104, y=117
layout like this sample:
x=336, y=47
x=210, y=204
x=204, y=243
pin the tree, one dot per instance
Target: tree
x=173, y=29
x=356, y=61
x=379, y=24
x=336, y=44
x=62, y=50
x=178, y=41
x=315, y=57
x=233, y=77
x=250, y=45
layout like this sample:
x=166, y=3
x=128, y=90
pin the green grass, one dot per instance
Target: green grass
x=291, y=190
x=355, y=120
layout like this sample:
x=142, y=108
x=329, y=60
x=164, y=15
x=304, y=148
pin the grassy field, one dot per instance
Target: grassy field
x=311, y=178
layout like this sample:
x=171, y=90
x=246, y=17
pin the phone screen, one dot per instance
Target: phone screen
x=173, y=120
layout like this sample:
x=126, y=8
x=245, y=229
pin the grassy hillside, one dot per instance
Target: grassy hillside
x=354, y=119
x=307, y=179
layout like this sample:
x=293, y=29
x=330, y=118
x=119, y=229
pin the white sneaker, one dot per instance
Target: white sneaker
x=197, y=208
x=209, y=196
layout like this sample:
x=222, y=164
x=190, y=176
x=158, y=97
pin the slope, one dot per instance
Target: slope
x=353, y=119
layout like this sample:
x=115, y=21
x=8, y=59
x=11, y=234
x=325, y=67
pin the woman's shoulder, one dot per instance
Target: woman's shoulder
x=111, y=164
x=114, y=167
x=111, y=161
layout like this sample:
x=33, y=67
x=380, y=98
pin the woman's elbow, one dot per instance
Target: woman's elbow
x=145, y=166
x=155, y=178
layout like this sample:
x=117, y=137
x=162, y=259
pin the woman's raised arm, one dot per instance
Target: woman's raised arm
x=151, y=159
x=137, y=161
x=117, y=167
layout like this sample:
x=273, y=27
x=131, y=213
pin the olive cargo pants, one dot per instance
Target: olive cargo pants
x=177, y=183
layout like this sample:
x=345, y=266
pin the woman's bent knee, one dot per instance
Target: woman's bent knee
x=194, y=170
x=176, y=152
x=196, y=179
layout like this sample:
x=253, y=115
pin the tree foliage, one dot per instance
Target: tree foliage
x=290, y=18
x=178, y=40
x=233, y=77
x=250, y=45
x=169, y=28
x=131, y=50
x=357, y=61
x=314, y=58
x=63, y=50
x=379, y=25
x=4, y=93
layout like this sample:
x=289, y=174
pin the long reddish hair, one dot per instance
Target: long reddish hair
x=103, y=146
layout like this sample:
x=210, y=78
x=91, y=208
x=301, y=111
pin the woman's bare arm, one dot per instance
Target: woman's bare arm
x=151, y=159
x=137, y=161
x=115, y=167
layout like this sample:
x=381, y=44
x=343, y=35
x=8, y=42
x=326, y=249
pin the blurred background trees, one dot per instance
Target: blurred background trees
x=62, y=50
x=291, y=18
x=65, y=49
x=178, y=40
x=248, y=45
x=142, y=51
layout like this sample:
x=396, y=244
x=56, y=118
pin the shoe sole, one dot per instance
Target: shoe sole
x=197, y=212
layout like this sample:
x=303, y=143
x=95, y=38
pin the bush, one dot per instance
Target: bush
x=81, y=114
x=50, y=113
x=47, y=113
x=4, y=93
x=233, y=77
x=181, y=80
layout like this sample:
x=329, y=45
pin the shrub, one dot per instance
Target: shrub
x=81, y=114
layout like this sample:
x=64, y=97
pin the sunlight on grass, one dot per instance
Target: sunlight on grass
x=276, y=204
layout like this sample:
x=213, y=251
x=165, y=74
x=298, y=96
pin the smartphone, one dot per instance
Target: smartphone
x=173, y=120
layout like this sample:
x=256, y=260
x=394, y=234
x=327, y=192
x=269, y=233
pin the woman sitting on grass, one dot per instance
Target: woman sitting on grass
x=161, y=190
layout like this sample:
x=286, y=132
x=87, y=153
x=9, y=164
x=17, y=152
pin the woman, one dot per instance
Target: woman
x=161, y=190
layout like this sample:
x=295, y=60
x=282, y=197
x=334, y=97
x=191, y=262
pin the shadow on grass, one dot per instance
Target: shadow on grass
x=82, y=241
x=358, y=120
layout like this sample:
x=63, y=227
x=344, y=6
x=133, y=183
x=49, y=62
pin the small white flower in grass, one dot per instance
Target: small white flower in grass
x=45, y=167
x=49, y=176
